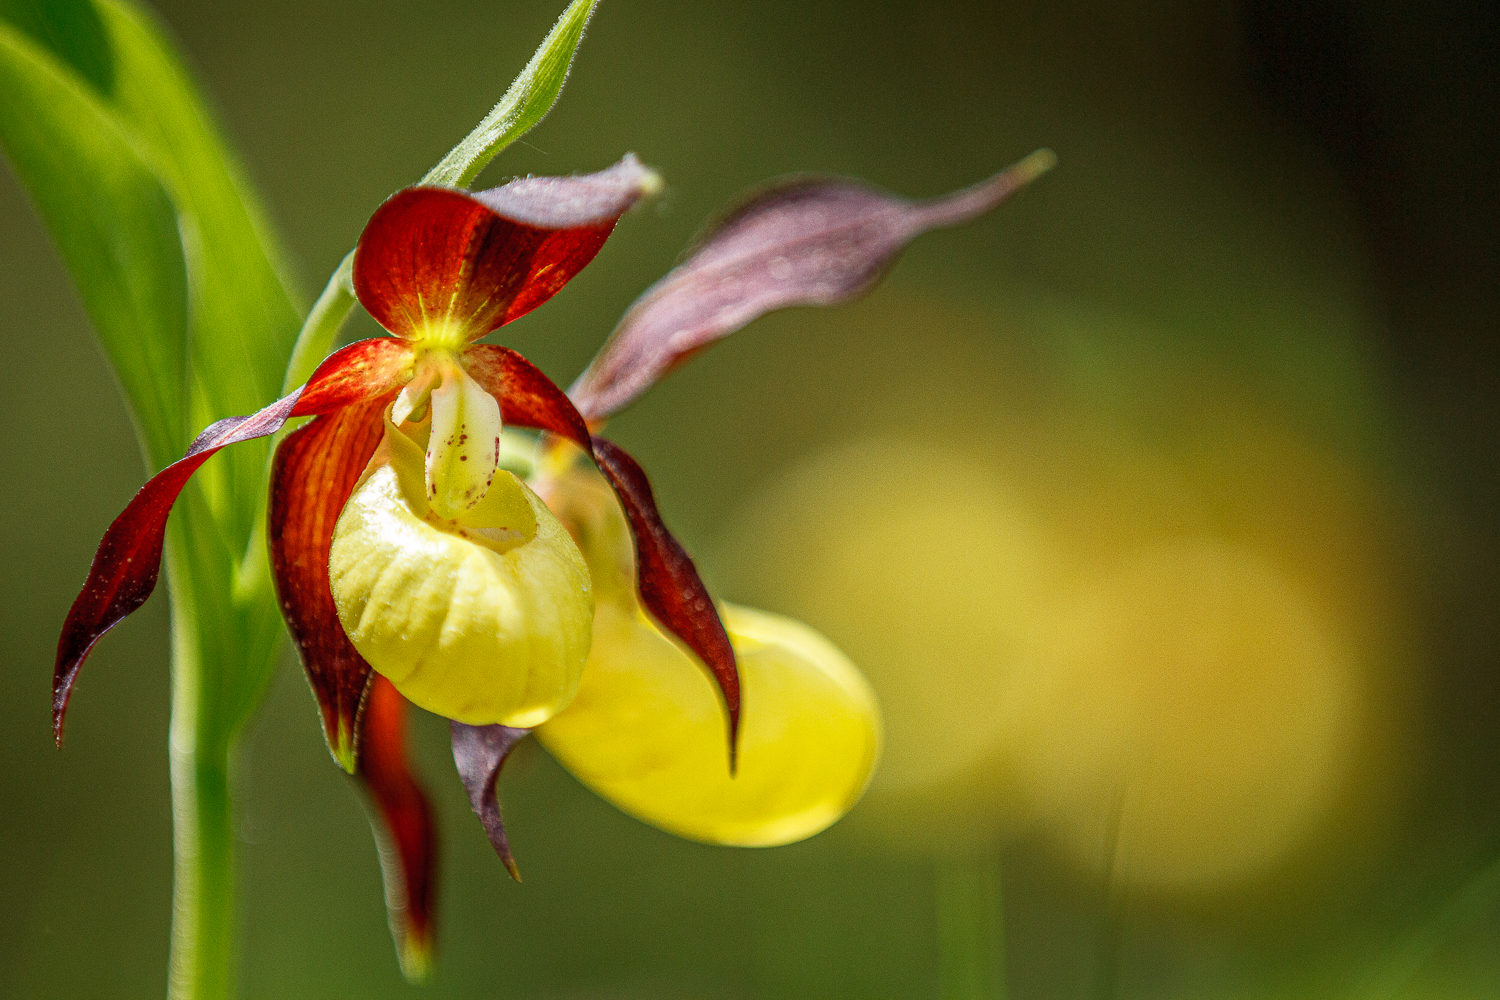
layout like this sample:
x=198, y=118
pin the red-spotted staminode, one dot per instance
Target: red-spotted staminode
x=418, y=559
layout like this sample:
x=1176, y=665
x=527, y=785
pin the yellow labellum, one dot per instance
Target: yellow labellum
x=647, y=730
x=483, y=618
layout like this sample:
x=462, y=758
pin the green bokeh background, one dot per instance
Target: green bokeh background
x=1297, y=200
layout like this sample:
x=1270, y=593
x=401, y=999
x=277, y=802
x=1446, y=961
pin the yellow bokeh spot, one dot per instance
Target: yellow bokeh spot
x=1067, y=626
x=923, y=564
x=1187, y=700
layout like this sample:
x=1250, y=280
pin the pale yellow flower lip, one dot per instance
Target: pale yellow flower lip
x=646, y=730
x=484, y=618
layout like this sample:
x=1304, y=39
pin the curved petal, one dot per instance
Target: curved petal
x=643, y=729
x=312, y=476
x=479, y=752
x=402, y=820
x=666, y=579
x=128, y=561
x=799, y=241
x=453, y=265
x=353, y=374
x=669, y=585
x=527, y=397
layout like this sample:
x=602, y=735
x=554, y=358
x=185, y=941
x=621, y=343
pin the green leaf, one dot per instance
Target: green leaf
x=114, y=225
x=231, y=320
x=1467, y=906
x=71, y=31
x=242, y=321
x=525, y=104
x=242, y=325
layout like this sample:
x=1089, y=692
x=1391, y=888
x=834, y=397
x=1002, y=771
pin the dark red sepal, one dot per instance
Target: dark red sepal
x=353, y=374
x=402, y=819
x=481, y=260
x=128, y=561
x=667, y=580
x=312, y=476
x=798, y=241
x=479, y=752
x=527, y=397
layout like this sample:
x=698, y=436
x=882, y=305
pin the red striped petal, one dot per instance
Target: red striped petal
x=312, y=476
x=128, y=561
x=440, y=257
x=402, y=819
x=668, y=582
x=354, y=374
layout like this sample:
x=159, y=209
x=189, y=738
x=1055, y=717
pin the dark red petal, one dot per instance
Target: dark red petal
x=479, y=752
x=402, y=819
x=668, y=582
x=312, y=476
x=527, y=397
x=439, y=255
x=353, y=374
x=666, y=578
x=128, y=560
x=798, y=242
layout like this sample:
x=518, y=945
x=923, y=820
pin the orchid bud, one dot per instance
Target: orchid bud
x=484, y=617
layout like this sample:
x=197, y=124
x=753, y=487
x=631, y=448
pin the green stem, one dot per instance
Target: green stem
x=971, y=927
x=320, y=328
x=1466, y=907
x=203, y=883
x=203, y=925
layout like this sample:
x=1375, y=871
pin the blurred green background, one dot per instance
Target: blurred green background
x=1159, y=507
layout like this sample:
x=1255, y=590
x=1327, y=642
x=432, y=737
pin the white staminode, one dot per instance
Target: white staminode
x=463, y=450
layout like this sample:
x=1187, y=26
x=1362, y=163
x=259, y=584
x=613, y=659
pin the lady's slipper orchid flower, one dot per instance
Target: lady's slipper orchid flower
x=438, y=268
x=414, y=564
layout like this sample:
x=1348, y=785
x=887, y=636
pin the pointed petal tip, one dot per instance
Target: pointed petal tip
x=734, y=741
x=479, y=752
x=1033, y=166
x=416, y=957
x=648, y=182
x=60, y=694
x=338, y=732
x=667, y=582
x=344, y=751
x=401, y=817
